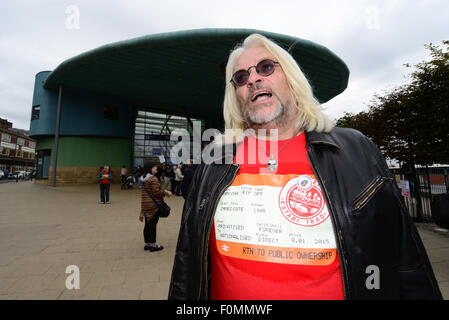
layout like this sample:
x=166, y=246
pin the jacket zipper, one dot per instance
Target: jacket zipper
x=204, y=264
x=338, y=234
x=370, y=191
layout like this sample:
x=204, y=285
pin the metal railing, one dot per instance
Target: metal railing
x=428, y=182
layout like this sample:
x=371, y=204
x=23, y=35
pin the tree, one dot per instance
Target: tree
x=411, y=122
x=430, y=93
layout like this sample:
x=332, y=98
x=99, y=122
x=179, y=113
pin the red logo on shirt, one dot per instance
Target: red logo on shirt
x=301, y=202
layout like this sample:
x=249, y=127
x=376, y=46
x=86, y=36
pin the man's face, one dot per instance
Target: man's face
x=264, y=101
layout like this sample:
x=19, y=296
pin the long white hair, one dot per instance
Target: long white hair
x=310, y=116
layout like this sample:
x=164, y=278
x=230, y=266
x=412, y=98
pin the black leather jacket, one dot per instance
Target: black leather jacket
x=371, y=224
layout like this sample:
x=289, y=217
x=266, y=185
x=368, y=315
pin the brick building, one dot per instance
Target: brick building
x=17, y=150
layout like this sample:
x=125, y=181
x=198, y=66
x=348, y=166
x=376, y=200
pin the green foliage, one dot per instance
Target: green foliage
x=411, y=122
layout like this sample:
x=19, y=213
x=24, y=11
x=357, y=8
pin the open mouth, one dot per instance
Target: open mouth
x=261, y=95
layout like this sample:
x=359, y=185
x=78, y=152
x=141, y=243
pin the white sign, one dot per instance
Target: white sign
x=8, y=145
x=251, y=225
x=26, y=149
x=405, y=187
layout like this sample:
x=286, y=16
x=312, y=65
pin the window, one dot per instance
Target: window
x=35, y=112
x=6, y=137
x=32, y=144
x=110, y=113
x=19, y=153
x=20, y=141
x=4, y=151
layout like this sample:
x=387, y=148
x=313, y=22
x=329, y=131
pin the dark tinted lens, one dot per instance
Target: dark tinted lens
x=240, y=77
x=265, y=67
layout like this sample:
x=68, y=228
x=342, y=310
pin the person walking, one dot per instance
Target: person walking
x=188, y=176
x=138, y=175
x=152, y=195
x=166, y=184
x=170, y=174
x=123, y=173
x=178, y=179
x=104, y=179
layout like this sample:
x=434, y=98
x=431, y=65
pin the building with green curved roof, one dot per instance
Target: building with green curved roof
x=119, y=103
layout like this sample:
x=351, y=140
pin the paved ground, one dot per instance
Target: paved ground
x=44, y=230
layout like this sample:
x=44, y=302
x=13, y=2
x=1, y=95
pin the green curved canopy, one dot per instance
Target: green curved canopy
x=183, y=72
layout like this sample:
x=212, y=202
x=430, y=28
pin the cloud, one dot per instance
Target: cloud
x=375, y=39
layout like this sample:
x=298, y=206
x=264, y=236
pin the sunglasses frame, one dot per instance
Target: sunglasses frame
x=247, y=70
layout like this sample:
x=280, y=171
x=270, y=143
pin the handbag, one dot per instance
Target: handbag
x=163, y=208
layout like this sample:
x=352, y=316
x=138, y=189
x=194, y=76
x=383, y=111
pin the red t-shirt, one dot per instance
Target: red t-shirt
x=272, y=236
x=105, y=180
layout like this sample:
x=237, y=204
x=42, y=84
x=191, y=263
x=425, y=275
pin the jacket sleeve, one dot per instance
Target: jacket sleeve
x=416, y=277
x=183, y=264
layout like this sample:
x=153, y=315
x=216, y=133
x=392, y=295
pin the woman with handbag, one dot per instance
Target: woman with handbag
x=152, y=198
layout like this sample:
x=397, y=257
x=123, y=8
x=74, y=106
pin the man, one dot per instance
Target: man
x=188, y=175
x=168, y=174
x=178, y=179
x=317, y=215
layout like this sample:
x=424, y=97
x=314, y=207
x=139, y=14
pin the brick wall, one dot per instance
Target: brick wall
x=79, y=175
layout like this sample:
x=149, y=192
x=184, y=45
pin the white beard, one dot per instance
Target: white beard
x=258, y=117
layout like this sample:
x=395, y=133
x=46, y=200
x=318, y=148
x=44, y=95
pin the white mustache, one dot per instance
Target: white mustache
x=256, y=87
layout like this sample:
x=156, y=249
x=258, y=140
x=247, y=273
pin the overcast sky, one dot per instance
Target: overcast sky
x=374, y=38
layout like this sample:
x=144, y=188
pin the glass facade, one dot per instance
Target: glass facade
x=152, y=135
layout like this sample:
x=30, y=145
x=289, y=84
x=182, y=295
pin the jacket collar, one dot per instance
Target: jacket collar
x=321, y=138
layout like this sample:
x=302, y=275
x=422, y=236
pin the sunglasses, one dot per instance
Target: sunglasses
x=263, y=68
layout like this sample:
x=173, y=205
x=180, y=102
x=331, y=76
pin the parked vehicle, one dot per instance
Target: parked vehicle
x=22, y=174
x=2, y=174
x=25, y=175
x=13, y=175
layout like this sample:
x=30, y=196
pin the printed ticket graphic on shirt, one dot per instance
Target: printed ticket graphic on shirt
x=275, y=218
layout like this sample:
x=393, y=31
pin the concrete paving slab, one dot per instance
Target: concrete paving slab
x=43, y=230
x=444, y=287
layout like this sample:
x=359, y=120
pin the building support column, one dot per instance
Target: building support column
x=197, y=138
x=55, y=148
